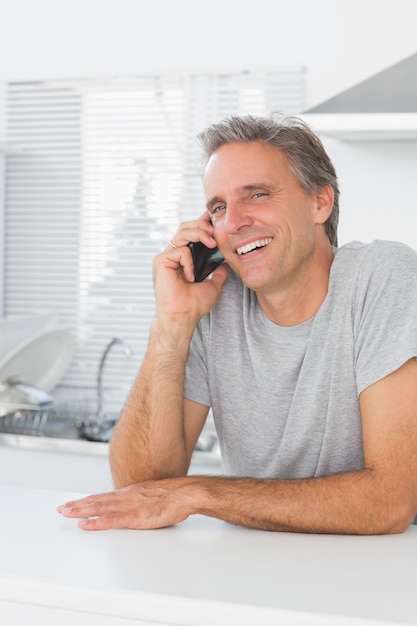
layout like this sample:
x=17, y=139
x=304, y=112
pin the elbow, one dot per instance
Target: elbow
x=123, y=472
x=124, y=479
x=142, y=467
x=400, y=522
x=121, y=475
x=389, y=506
x=121, y=478
x=395, y=519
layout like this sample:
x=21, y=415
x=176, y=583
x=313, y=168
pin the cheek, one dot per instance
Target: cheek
x=215, y=220
x=218, y=231
x=221, y=239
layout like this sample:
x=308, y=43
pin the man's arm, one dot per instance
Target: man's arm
x=381, y=498
x=152, y=439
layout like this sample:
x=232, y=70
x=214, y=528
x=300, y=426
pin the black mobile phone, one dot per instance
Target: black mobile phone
x=205, y=259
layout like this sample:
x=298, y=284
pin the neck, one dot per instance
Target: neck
x=300, y=300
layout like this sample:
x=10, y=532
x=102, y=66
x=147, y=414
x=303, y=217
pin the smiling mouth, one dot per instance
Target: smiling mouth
x=253, y=245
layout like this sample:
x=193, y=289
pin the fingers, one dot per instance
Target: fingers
x=197, y=230
x=101, y=511
x=86, y=507
x=177, y=253
x=115, y=521
x=65, y=509
x=142, y=506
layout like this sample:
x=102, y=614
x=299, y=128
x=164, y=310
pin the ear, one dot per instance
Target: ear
x=324, y=204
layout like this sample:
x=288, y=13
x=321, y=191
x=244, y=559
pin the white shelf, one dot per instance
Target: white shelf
x=365, y=126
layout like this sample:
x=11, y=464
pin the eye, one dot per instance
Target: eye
x=259, y=194
x=218, y=208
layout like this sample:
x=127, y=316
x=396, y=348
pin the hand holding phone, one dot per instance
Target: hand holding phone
x=205, y=259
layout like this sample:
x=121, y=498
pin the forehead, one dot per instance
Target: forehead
x=239, y=164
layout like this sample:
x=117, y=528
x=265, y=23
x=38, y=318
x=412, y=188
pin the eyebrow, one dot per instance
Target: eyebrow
x=249, y=187
x=212, y=202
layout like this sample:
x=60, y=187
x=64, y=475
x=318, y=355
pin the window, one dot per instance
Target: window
x=100, y=174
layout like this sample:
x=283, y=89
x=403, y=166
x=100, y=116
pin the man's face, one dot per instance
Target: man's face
x=264, y=221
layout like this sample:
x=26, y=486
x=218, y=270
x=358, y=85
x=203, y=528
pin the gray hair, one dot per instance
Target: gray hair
x=305, y=153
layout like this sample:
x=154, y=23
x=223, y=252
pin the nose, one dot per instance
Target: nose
x=237, y=216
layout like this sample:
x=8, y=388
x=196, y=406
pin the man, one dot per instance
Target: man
x=305, y=352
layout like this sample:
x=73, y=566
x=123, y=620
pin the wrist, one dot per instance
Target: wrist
x=173, y=330
x=197, y=492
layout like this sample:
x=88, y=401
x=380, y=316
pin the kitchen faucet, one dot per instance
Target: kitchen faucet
x=95, y=427
x=127, y=350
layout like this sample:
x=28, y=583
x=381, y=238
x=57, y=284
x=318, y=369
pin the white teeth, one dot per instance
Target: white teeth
x=259, y=243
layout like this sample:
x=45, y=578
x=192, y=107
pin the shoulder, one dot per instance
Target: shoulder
x=383, y=278
x=390, y=253
x=379, y=256
x=376, y=271
x=377, y=249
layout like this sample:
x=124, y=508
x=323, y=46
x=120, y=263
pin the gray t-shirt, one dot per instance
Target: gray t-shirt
x=285, y=400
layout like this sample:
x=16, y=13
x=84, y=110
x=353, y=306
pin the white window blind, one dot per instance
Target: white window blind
x=104, y=172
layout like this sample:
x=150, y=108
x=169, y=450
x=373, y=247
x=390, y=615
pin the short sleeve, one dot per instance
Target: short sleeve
x=385, y=311
x=196, y=377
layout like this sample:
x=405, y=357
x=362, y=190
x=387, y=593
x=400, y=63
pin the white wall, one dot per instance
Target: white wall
x=340, y=42
x=378, y=197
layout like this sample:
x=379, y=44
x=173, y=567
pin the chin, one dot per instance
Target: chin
x=253, y=280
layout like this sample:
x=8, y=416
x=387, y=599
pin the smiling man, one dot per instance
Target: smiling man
x=305, y=352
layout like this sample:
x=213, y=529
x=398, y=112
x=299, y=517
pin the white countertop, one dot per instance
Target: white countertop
x=200, y=572
x=69, y=465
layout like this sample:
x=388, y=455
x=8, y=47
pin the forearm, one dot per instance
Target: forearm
x=148, y=441
x=350, y=503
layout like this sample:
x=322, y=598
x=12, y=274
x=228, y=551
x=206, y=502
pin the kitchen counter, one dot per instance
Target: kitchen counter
x=201, y=572
x=70, y=464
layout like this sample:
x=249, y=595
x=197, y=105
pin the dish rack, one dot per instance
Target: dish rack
x=66, y=419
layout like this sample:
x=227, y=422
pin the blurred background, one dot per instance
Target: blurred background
x=100, y=101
